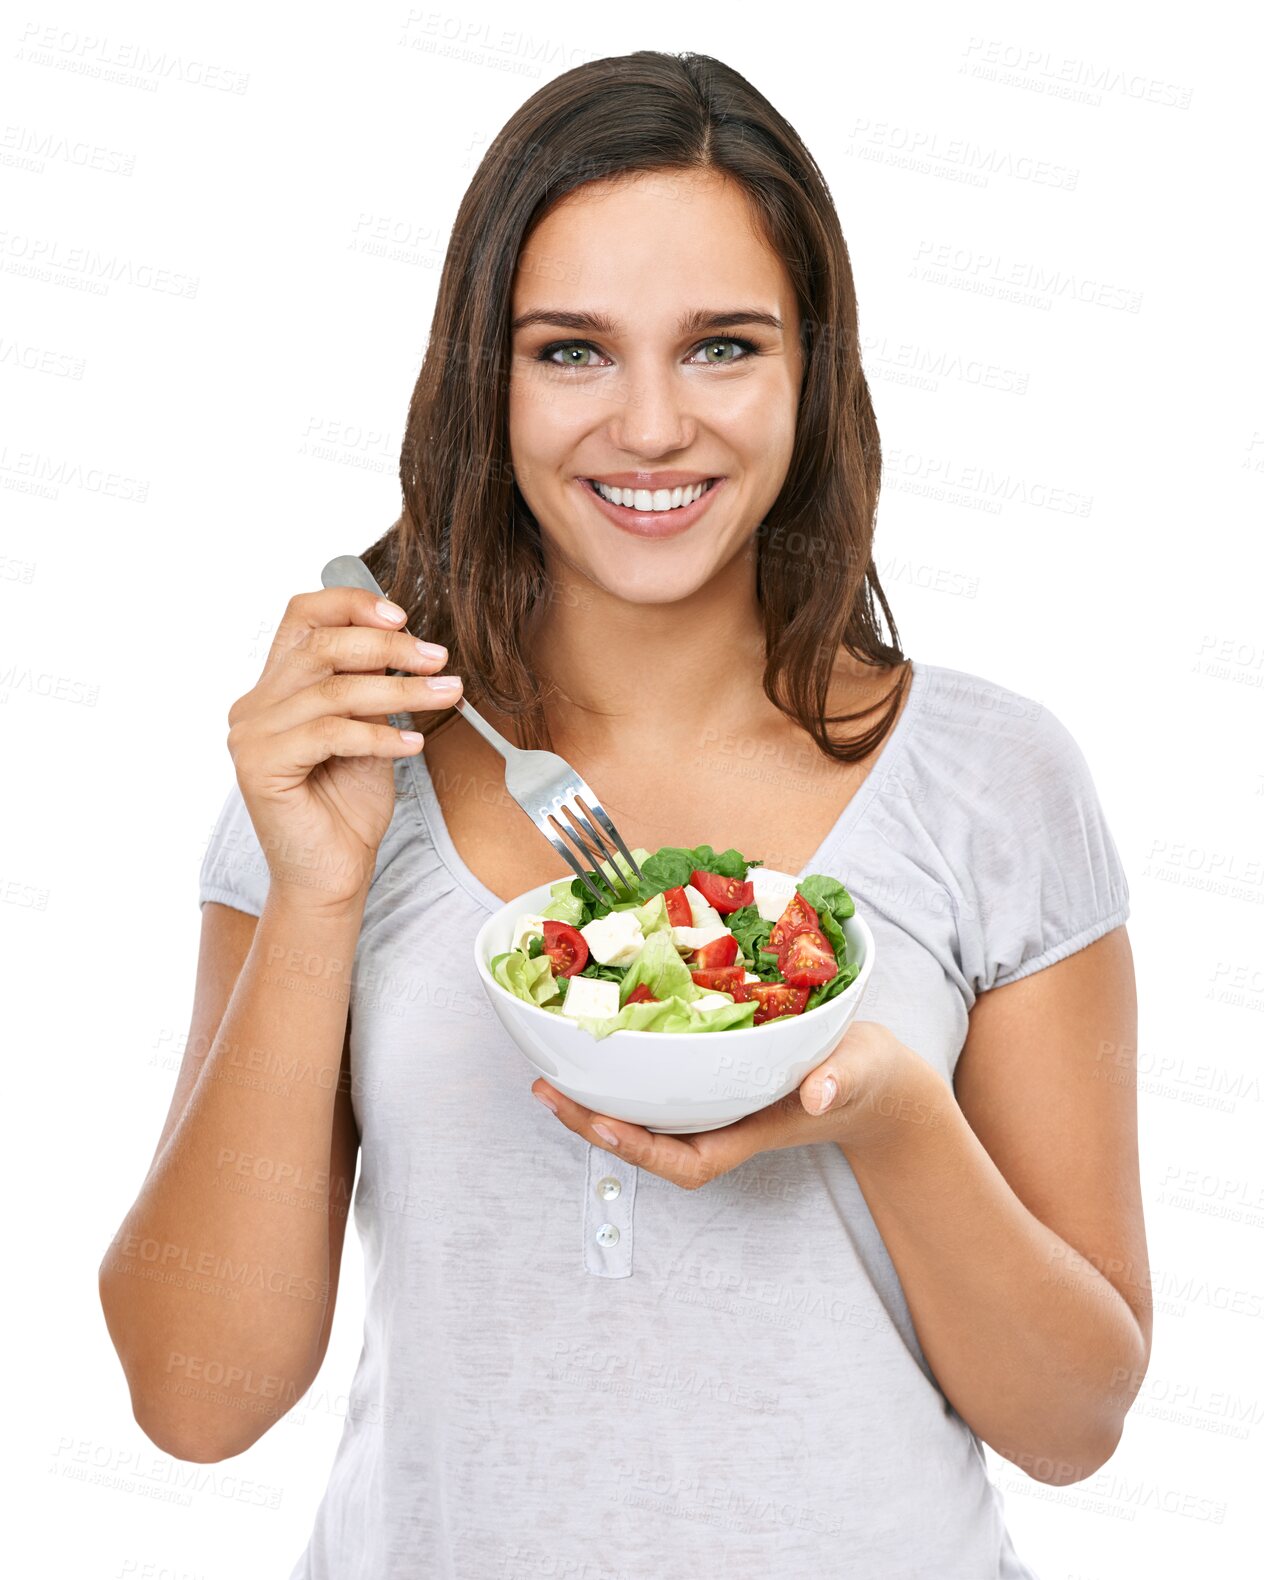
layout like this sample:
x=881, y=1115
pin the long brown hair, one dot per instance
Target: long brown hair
x=464, y=558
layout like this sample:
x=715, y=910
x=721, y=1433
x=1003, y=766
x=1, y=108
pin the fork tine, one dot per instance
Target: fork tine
x=613, y=832
x=595, y=842
x=545, y=786
x=564, y=851
x=594, y=861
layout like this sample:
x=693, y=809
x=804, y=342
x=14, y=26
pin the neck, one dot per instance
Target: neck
x=617, y=673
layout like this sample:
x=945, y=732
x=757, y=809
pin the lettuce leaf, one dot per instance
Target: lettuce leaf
x=661, y=968
x=564, y=906
x=527, y=977
x=672, y=1014
x=653, y=916
x=618, y=873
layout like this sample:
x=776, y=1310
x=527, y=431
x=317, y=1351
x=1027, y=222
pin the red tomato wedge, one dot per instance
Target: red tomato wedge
x=724, y=979
x=777, y=998
x=640, y=994
x=678, y=912
x=796, y=916
x=723, y=894
x=719, y=952
x=807, y=958
x=566, y=946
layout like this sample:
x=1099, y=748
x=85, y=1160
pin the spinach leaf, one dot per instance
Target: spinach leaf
x=603, y=973
x=824, y=893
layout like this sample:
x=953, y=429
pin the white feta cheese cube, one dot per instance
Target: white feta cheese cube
x=525, y=928
x=695, y=937
x=773, y=893
x=709, y=1000
x=751, y=977
x=614, y=940
x=590, y=996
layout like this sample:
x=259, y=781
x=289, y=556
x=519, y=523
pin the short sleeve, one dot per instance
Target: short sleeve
x=234, y=870
x=1047, y=877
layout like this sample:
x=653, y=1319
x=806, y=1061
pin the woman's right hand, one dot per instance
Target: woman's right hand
x=312, y=748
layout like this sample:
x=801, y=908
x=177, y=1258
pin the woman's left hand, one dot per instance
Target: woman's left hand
x=854, y=1097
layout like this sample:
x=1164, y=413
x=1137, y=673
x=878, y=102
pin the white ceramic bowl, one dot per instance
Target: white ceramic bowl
x=672, y=1082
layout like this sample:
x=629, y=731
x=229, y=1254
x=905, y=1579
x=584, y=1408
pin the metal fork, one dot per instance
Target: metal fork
x=542, y=783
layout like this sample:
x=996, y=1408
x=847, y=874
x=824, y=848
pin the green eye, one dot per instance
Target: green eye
x=747, y=346
x=569, y=347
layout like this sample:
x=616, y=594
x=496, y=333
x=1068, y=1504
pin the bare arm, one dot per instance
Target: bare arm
x=1013, y=1215
x=218, y=1288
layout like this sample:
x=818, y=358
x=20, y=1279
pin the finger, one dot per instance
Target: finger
x=305, y=612
x=822, y=1090
x=330, y=650
x=686, y=1161
x=834, y=1082
x=294, y=753
x=583, y=1121
x=349, y=649
x=282, y=760
x=358, y=697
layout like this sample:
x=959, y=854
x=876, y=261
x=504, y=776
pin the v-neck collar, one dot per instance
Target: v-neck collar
x=851, y=815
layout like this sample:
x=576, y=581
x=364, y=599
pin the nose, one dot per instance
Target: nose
x=652, y=416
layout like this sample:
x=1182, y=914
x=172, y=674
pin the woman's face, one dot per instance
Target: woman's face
x=675, y=385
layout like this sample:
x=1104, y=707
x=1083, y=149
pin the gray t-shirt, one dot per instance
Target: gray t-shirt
x=734, y=1386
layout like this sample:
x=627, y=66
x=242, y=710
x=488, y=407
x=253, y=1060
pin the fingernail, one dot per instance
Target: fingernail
x=431, y=649
x=547, y=1101
x=608, y=1136
x=389, y=611
x=829, y=1091
x=444, y=682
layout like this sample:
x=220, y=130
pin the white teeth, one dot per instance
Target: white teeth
x=645, y=499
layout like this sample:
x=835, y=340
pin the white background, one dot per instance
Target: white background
x=186, y=444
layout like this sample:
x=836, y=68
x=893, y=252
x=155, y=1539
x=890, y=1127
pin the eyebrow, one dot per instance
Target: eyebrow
x=688, y=323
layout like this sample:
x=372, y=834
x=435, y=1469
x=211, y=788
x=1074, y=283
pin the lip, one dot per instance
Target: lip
x=652, y=480
x=651, y=523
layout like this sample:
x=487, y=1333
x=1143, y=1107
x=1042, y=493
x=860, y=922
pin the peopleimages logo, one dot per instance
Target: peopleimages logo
x=1066, y=76
x=131, y=64
x=767, y=1292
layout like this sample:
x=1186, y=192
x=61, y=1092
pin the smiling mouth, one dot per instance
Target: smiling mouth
x=680, y=497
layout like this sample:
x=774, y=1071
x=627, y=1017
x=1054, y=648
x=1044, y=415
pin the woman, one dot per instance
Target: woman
x=783, y=1359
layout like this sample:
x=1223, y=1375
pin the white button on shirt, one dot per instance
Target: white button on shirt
x=609, y=1199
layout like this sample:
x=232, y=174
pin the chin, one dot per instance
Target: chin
x=646, y=583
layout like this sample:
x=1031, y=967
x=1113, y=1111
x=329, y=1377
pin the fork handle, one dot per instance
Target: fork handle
x=349, y=570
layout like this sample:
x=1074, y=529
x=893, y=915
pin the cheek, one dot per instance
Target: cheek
x=765, y=443
x=528, y=441
x=759, y=421
x=543, y=426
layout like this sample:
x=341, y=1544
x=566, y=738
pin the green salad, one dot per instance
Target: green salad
x=710, y=942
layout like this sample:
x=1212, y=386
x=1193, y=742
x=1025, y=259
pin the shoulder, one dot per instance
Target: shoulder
x=1000, y=776
x=1018, y=815
x=990, y=732
x=978, y=705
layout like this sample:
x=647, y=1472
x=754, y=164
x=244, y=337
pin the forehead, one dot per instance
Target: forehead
x=647, y=245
